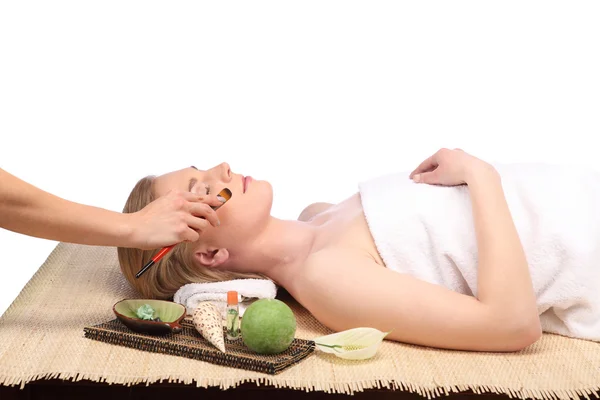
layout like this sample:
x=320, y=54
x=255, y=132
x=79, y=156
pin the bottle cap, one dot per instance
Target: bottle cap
x=232, y=297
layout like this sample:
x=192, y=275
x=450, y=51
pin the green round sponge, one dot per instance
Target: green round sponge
x=268, y=326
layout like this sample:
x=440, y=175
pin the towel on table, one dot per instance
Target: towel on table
x=428, y=232
x=249, y=290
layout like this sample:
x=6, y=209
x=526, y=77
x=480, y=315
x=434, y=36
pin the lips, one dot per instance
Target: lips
x=246, y=181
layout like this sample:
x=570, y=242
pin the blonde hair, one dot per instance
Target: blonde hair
x=174, y=270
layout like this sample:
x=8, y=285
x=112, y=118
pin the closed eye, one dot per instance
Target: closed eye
x=193, y=186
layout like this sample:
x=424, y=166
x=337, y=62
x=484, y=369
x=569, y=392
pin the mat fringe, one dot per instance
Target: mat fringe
x=348, y=388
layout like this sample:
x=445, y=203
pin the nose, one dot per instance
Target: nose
x=225, y=172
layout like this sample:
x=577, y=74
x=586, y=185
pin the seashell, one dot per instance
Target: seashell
x=209, y=323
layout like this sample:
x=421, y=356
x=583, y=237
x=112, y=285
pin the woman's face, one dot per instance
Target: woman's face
x=245, y=214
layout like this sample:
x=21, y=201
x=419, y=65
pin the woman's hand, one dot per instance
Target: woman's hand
x=171, y=219
x=448, y=168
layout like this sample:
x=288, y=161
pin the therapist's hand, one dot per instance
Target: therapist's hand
x=173, y=218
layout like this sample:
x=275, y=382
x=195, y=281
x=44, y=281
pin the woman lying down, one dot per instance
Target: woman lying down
x=458, y=254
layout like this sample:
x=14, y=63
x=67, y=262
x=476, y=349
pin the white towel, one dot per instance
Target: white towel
x=428, y=232
x=249, y=290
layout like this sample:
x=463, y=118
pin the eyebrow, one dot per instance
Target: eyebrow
x=192, y=183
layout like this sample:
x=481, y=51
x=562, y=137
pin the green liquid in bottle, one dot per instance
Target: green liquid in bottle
x=233, y=324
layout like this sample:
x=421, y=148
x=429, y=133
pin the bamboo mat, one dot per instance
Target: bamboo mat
x=42, y=337
x=189, y=343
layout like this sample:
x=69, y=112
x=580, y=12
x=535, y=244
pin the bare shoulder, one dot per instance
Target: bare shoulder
x=312, y=210
x=333, y=283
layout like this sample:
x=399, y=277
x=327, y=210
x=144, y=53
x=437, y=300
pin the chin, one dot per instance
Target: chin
x=264, y=191
x=261, y=188
x=268, y=195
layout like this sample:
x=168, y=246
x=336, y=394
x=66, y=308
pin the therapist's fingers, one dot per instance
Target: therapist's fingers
x=198, y=225
x=183, y=200
x=211, y=199
x=202, y=212
x=190, y=235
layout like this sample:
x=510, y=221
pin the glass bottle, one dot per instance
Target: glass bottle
x=233, y=316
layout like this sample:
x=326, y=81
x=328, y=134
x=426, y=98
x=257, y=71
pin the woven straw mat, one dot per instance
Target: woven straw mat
x=42, y=337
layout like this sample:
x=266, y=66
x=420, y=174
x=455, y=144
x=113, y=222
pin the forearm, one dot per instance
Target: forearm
x=31, y=211
x=504, y=281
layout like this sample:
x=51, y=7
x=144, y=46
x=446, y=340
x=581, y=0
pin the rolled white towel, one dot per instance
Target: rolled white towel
x=249, y=290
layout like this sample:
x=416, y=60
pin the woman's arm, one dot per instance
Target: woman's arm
x=503, y=318
x=504, y=281
x=29, y=210
x=361, y=293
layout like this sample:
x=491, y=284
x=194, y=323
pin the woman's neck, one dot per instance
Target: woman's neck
x=278, y=251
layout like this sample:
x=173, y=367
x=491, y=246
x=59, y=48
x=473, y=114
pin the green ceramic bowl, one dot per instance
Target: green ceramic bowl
x=170, y=314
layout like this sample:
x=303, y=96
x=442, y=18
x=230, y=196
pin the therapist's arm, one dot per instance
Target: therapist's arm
x=168, y=220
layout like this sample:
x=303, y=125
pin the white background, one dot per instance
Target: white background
x=313, y=96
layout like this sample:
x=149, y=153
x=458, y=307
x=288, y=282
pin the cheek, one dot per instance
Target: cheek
x=250, y=213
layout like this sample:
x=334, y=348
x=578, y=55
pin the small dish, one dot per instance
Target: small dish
x=170, y=314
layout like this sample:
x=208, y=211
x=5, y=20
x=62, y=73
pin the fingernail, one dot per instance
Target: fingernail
x=218, y=223
x=221, y=198
x=417, y=177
